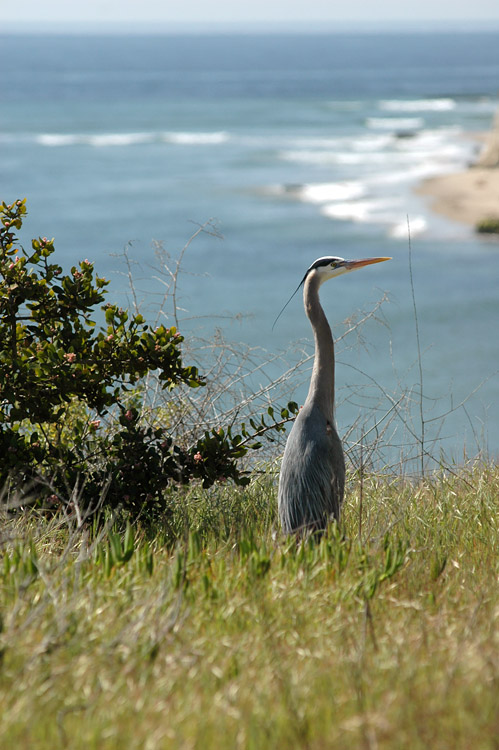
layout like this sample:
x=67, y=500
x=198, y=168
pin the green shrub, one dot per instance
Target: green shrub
x=61, y=374
x=488, y=226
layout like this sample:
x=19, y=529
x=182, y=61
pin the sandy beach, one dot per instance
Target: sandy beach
x=469, y=196
x=473, y=195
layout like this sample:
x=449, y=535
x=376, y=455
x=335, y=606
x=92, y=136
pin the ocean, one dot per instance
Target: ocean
x=291, y=147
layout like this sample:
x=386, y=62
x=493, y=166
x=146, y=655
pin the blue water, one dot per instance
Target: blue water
x=294, y=147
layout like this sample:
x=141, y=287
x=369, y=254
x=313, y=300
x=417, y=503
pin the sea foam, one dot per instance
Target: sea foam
x=395, y=123
x=193, y=139
x=417, y=105
x=104, y=140
x=331, y=191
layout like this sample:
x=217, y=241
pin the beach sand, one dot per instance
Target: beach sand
x=467, y=197
x=473, y=195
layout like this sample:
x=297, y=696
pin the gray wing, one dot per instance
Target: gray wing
x=312, y=479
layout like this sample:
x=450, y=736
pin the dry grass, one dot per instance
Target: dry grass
x=233, y=639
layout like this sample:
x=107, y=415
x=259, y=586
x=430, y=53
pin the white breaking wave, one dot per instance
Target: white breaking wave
x=374, y=171
x=103, y=140
x=395, y=123
x=193, y=139
x=411, y=174
x=120, y=139
x=417, y=225
x=417, y=105
x=331, y=191
x=99, y=140
x=379, y=211
x=376, y=211
x=369, y=142
x=348, y=158
x=53, y=139
x=372, y=142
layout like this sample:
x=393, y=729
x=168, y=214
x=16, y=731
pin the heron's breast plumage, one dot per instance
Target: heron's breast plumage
x=312, y=472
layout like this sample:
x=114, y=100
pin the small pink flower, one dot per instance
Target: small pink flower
x=198, y=457
x=129, y=415
x=95, y=423
x=70, y=357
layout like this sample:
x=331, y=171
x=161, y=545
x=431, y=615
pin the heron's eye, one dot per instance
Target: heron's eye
x=333, y=264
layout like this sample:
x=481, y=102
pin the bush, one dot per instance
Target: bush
x=61, y=374
x=488, y=226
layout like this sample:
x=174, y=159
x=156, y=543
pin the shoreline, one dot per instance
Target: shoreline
x=470, y=196
x=467, y=197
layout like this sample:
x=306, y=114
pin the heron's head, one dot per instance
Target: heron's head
x=330, y=266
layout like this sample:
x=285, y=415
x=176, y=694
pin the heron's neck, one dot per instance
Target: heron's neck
x=321, y=389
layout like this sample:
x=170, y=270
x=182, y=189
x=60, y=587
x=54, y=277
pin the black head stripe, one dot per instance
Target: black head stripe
x=320, y=262
x=325, y=261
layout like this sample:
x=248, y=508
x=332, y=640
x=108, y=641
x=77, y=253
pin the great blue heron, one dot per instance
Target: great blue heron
x=312, y=479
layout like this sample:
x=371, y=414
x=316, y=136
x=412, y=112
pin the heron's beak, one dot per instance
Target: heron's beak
x=352, y=265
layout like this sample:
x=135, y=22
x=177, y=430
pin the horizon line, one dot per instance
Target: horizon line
x=247, y=27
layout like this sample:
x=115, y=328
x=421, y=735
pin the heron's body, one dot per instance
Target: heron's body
x=312, y=479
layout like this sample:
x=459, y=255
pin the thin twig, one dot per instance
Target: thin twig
x=420, y=364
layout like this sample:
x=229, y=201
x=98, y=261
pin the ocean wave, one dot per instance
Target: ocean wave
x=483, y=104
x=395, y=123
x=55, y=139
x=320, y=192
x=417, y=105
x=103, y=140
x=369, y=142
x=349, y=158
x=324, y=192
x=417, y=225
x=430, y=140
x=378, y=211
x=415, y=173
x=373, y=211
x=120, y=139
x=308, y=156
x=99, y=140
x=193, y=139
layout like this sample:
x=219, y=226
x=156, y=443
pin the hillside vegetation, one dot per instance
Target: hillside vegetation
x=383, y=635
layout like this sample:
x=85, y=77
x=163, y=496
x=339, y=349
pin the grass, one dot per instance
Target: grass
x=384, y=635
